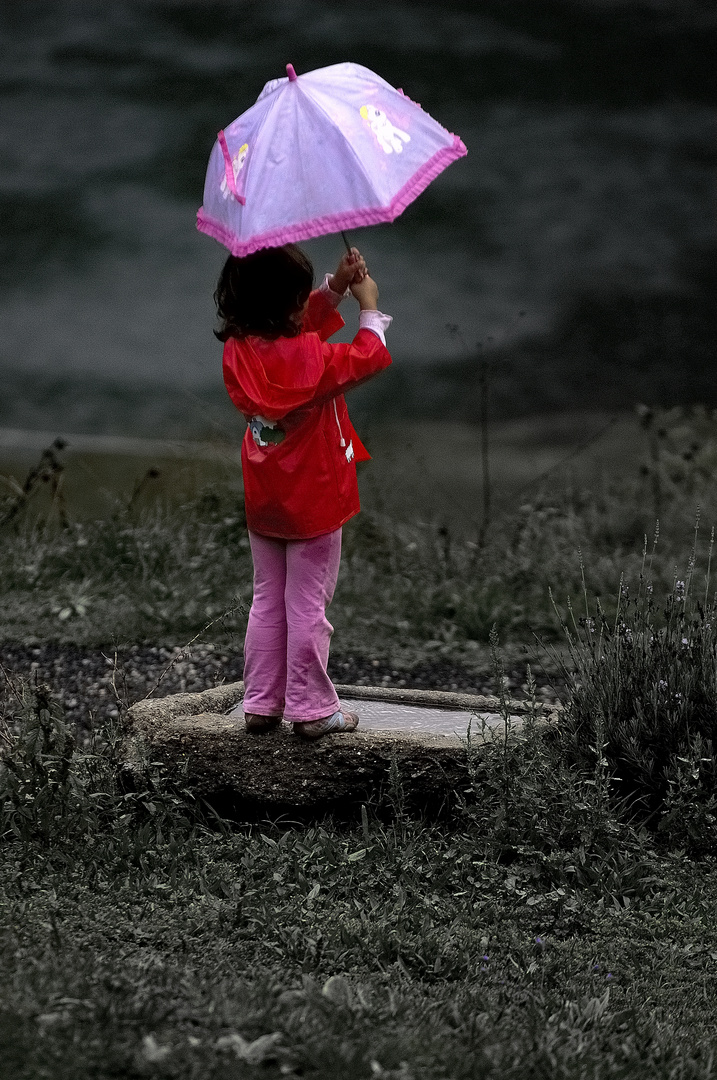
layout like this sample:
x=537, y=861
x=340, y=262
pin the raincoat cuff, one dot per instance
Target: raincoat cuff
x=333, y=298
x=377, y=322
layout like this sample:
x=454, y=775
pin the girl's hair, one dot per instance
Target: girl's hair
x=258, y=294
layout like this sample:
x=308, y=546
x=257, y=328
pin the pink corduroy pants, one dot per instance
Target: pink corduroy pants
x=288, y=635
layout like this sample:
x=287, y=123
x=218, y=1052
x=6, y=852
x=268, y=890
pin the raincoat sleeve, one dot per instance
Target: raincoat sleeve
x=349, y=365
x=322, y=318
x=276, y=378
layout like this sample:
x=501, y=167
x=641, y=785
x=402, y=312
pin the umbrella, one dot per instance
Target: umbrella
x=332, y=149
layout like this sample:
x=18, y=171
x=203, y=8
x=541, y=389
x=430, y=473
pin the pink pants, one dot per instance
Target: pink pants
x=288, y=635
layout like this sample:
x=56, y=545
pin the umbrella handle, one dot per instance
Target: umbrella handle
x=345, y=240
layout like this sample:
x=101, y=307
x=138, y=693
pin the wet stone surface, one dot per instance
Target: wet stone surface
x=418, y=719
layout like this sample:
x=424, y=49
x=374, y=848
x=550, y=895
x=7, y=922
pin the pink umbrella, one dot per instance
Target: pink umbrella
x=333, y=149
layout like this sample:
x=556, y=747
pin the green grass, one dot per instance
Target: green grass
x=559, y=924
x=536, y=933
x=441, y=969
x=162, y=571
x=160, y=568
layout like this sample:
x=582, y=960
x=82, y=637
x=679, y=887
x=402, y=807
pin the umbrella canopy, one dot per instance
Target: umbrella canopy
x=332, y=149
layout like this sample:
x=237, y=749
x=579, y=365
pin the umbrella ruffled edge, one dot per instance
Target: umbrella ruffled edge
x=330, y=223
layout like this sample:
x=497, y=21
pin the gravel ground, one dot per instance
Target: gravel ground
x=94, y=684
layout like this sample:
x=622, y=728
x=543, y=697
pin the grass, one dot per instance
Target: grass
x=176, y=980
x=559, y=924
x=538, y=933
x=160, y=570
x=644, y=690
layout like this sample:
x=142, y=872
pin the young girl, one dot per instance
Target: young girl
x=299, y=464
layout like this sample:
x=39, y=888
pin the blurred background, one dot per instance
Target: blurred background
x=569, y=259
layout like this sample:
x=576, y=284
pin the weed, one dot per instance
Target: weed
x=49, y=470
x=541, y=928
x=41, y=794
x=139, y=942
x=162, y=572
x=56, y=796
x=641, y=714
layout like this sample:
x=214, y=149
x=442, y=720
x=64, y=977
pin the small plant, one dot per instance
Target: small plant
x=41, y=794
x=526, y=800
x=52, y=793
x=689, y=815
x=642, y=704
x=49, y=470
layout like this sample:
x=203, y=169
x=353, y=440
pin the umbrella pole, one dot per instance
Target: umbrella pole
x=345, y=240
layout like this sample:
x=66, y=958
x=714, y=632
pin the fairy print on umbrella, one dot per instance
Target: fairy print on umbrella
x=390, y=138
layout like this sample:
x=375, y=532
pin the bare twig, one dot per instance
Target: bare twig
x=484, y=379
x=184, y=651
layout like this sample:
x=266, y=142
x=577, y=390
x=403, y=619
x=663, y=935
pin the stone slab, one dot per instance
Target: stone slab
x=191, y=736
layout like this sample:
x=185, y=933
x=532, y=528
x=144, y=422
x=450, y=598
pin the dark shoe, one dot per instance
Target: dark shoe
x=257, y=725
x=341, y=721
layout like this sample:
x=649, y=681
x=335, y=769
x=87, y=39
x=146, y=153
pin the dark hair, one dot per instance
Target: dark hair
x=259, y=293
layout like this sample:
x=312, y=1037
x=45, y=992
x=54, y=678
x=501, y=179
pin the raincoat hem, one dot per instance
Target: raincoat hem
x=303, y=535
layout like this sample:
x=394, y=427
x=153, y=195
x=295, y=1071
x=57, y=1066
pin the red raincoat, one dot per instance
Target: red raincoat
x=302, y=483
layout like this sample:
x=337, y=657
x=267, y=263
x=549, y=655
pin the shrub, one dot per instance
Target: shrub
x=642, y=702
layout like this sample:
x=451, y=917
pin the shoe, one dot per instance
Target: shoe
x=257, y=725
x=341, y=721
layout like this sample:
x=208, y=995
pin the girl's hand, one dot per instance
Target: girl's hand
x=350, y=271
x=366, y=292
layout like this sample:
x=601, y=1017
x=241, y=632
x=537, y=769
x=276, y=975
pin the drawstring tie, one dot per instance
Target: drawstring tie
x=338, y=425
x=349, y=451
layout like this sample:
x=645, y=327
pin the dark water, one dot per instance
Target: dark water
x=420, y=719
x=576, y=241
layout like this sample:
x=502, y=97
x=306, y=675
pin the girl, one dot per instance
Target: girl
x=299, y=463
